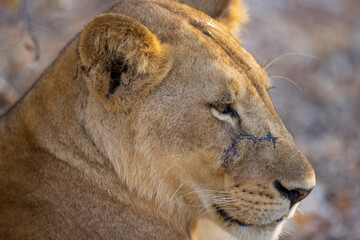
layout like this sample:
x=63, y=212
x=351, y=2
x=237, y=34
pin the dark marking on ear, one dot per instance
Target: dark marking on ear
x=78, y=66
x=232, y=151
x=88, y=69
x=116, y=70
x=76, y=73
x=80, y=69
x=188, y=234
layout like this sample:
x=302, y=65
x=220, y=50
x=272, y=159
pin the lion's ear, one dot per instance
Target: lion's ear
x=232, y=13
x=123, y=61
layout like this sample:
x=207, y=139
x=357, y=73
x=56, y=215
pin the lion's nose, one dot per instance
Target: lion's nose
x=294, y=195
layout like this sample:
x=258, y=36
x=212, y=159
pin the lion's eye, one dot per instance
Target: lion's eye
x=225, y=109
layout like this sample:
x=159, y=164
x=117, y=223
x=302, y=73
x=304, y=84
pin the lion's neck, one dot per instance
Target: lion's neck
x=54, y=111
x=62, y=119
x=153, y=187
x=51, y=116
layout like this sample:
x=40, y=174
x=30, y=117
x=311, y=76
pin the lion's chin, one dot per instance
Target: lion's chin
x=220, y=230
x=241, y=230
x=263, y=232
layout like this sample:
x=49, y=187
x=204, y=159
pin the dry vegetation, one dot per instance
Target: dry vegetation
x=321, y=43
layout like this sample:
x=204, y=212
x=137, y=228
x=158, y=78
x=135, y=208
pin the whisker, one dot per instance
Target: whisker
x=224, y=203
x=250, y=218
x=287, y=234
x=289, y=80
x=265, y=61
x=299, y=212
x=212, y=191
x=210, y=204
x=158, y=188
x=207, y=210
x=176, y=192
x=288, y=54
x=221, y=198
x=203, y=190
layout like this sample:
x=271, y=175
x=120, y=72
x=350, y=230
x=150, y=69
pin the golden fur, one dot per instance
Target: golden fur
x=149, y=120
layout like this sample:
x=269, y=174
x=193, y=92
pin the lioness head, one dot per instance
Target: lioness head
x=183, y=112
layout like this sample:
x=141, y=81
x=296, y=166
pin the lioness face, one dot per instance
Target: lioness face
x=202, y=137
x=212, y=127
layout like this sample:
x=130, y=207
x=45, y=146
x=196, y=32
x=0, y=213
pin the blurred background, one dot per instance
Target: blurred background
x=311, y=51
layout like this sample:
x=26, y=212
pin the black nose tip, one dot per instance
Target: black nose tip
x=294, y=195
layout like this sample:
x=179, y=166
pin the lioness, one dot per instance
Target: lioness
x=153, y=117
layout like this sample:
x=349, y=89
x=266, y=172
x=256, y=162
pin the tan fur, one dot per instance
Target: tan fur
x=120, y=138
x=233, y=13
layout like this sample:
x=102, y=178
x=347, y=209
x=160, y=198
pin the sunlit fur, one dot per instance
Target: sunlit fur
x=119, y=139
x=232, y=13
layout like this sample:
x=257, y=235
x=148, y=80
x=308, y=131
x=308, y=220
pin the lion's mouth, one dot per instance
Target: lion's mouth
x=229, y=219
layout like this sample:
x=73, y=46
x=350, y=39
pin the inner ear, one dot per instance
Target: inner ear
x=117, y=69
